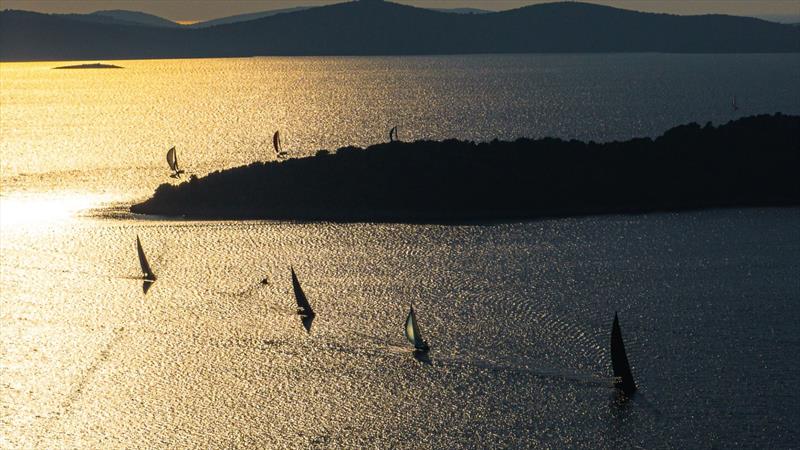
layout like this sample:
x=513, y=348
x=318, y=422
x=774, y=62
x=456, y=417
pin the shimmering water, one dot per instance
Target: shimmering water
x=110, y=129
x=518, y=314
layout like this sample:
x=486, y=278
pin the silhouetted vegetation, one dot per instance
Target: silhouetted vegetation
x=370, y=27
x=752, y=161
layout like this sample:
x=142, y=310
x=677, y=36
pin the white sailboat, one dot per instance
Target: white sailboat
x=172, y=160
x=413, y=334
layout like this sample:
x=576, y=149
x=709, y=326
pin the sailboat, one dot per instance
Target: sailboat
x=172, y=160
x=148, y=276
x=393, y=134
x=735, y=106
x=146, y=270
x=413, y=334
x=303, y=307
x=276, y=143
x=623, y=378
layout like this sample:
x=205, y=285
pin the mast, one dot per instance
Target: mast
x=623, y=378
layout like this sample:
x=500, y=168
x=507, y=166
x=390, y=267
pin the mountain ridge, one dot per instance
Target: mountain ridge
x=369, y=27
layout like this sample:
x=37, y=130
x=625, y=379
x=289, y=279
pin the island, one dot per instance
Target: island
x=752, y=161
x=90, y=66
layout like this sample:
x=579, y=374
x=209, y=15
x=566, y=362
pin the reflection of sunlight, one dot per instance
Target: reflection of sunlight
x=41, y=209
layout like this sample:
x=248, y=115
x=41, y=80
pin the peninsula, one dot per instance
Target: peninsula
x=90, y=66
x=752, y=161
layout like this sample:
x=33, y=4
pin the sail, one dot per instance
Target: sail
x=172, y=159
x=393, y=134
x=146, y=270
x=276, y=141
x=623, y=378
x=412, y=331
x=303, y=307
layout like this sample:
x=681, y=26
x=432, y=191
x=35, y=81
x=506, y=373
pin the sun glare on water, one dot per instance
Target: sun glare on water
x=42, y=209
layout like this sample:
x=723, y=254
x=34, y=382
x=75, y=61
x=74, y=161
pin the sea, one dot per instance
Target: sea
x=518, y=314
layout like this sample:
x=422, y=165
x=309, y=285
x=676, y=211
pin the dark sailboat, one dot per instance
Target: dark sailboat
x=147, y=272
x=303, y=307
x=172, y=160
x=623, y=378
x=276, y=143
x=413, y=334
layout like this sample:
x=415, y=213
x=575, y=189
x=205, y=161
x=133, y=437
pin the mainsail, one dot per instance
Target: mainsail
x=623, y=378
x=393, y=134
x=146, y=270
x=412, y=331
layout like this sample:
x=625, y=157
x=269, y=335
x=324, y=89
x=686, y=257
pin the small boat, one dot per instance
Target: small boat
x=276, y=143
x=623, y=378
x=393, y=134
x=147, y=273
x=303, y=307
x=413, y=334
x=172, y=160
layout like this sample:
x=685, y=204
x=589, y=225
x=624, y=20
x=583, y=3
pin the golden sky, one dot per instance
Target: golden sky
x=199, y=10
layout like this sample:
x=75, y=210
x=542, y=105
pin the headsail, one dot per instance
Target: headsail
x=146, y=270
x=412, y=331
x=623, y=378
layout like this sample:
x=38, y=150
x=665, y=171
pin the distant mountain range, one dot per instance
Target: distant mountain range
x=375, y=27
x=125, y=17
x=245, y=17
x=128, y=17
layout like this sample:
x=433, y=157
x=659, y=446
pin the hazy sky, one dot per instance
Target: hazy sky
x=195, y=10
